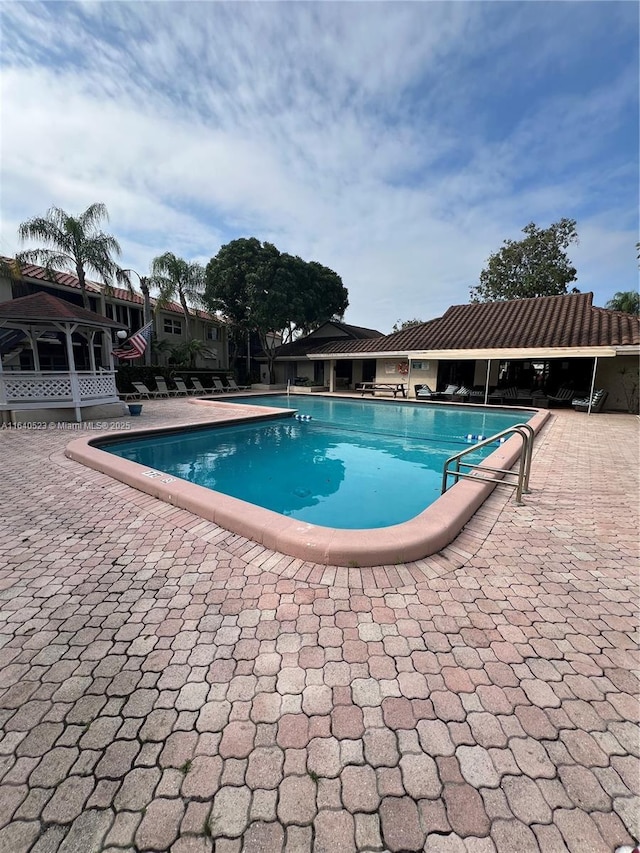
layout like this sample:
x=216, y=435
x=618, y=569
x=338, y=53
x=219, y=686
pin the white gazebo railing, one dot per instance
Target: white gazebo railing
x=32, y=389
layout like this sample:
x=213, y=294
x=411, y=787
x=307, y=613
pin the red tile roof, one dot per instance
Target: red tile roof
x=126, y=296
x=176, y=308
x=543, y=322
x=48, y=308
x=68, y=280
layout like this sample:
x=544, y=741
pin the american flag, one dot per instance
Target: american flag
x=136, y=344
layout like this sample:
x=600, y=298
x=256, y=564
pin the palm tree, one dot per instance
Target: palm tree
x=177, y=278
x=147, y=313
x=186, y=354
x=75, y=244
x=627, y=301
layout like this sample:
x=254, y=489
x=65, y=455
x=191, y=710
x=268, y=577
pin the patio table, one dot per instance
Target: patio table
x=395, y=388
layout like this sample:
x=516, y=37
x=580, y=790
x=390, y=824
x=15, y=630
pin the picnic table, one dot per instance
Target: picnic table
x=394, y=387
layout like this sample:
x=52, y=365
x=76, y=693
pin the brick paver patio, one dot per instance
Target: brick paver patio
x=166, y=685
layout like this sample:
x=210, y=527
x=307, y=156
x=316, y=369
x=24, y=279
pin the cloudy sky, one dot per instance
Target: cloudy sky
x=397, y=143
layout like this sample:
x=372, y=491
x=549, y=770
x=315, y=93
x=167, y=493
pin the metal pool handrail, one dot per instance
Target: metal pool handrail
x=521, y=485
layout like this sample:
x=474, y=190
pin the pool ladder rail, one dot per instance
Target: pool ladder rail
x=521, y=482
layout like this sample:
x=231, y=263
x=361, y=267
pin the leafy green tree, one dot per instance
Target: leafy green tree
x=73, y=244
x=535, y=266
x=227, y=289
x=399, y=325
x=627, y=301
x=178, y=279
x=258, y=289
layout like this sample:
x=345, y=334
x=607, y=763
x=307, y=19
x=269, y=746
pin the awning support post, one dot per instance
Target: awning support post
x=486, y=384
x=593, y=382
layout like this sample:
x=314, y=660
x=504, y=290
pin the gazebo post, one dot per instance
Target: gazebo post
x=73, y=373
x=92, y=356
x=33, y=337
x=109, y=342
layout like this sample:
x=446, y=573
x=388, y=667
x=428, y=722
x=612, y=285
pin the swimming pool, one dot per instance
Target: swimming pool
x=445, y=424
x=424, y=534
x=346, y=464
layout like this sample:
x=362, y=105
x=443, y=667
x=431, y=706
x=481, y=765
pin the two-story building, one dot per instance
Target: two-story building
x=56, y=358
x=123, y=307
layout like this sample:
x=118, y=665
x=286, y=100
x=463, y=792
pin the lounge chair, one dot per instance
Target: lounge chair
x=462, y=394
x=597, y=401
x=562, y=397
x=218, y=386
x=476, y=395
x=144, y=393
x=233, y=386
x=163, y=388
x=500, y=395
x=468, y=395
x=449, y=392
x=199, y=387
x=423, y=392
x=182, y=388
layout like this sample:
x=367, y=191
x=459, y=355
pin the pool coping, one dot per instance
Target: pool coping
x=426, y=534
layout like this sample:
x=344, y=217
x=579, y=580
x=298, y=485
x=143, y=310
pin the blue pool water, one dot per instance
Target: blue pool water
x=355, y=464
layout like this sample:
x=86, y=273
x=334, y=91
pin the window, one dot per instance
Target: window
x=173, y=327
x=211, y=333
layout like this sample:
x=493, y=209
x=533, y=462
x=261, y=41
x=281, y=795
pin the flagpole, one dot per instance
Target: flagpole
x=147, y=316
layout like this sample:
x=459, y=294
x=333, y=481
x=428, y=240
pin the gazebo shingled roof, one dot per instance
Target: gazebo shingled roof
x=42, y=308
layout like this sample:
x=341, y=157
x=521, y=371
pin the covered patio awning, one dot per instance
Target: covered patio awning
x=475, y=354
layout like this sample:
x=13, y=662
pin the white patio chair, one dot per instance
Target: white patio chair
x=163, y=389
x=144, y=393
x=199, y=387
x=182, y=388
x=233, y=386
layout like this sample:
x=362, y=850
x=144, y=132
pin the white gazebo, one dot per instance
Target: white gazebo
x=45, y=332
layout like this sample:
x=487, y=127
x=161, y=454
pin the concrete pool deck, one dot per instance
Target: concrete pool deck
x=167, y=685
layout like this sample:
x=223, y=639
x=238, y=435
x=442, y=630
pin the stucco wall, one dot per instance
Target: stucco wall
x=197, y=328
x=619, y=376
x=383, y=370
x=426, y=375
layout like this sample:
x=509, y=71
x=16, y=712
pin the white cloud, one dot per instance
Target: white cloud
x=359, y=135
